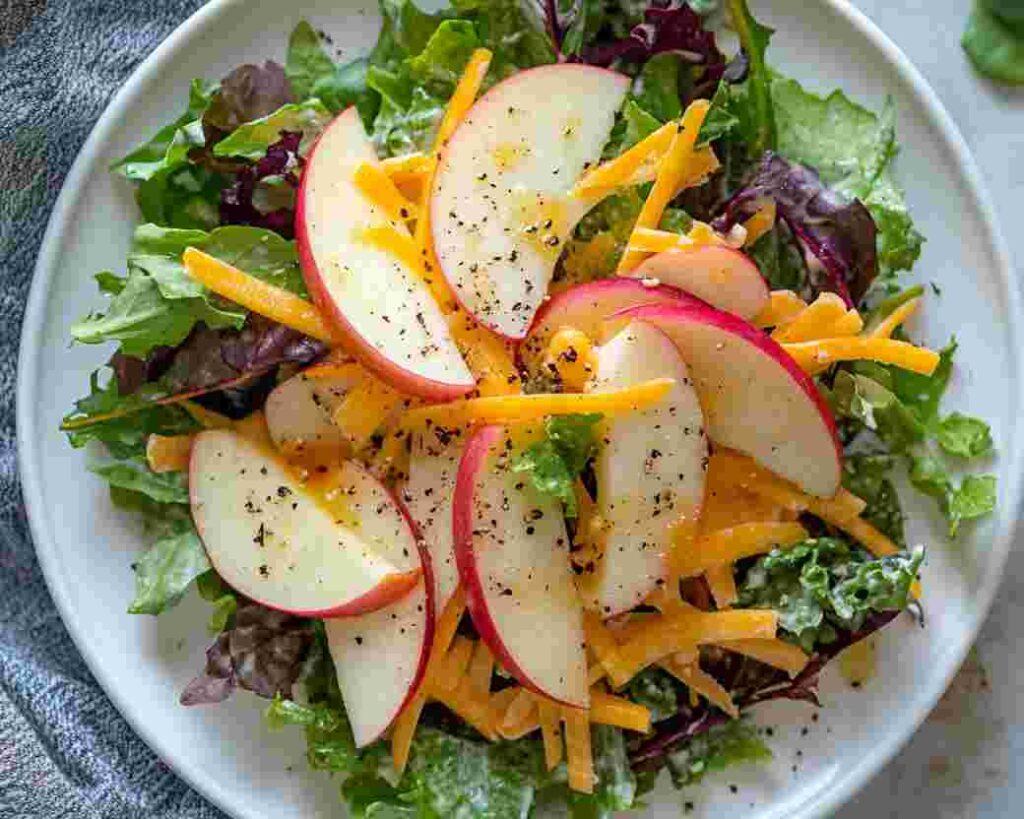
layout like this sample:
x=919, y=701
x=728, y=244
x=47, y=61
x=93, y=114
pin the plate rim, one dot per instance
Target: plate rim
x=816, y=804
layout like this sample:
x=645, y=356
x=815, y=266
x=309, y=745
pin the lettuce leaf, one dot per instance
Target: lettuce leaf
x=760, y=123
x=159, y=303
x=853, y=150
x=963, y=436
x=312, y=73
x=656, y=691
x=974, y=497
x=247, y=93
x=616, y=785
x=868, y=476
x=730, y=743
x=554, y=463
x=994, y=40
x=251, y=140
x=169, y=566
x=822, y=586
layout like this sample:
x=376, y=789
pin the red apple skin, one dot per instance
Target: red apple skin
x=441, y=160
x=597, y=300
x=361, y=349
x=657, y=313
x=431, y=617
x=391, y=588
x=474, y=459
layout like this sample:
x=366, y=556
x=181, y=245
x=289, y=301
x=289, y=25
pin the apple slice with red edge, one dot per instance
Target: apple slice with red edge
x=501, y=208
x=381, y=657
x=512, y=552
x=586, y=307
x=299, y=410
x=428, y=494
x=276, y=543
x=754, y=395
x=382, y=308
x=650, y=470
x=722, y=276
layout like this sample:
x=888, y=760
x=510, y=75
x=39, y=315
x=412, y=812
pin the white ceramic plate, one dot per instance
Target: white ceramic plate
x=85, y=546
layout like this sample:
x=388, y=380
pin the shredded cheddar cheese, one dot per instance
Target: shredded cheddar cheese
x=168, y=453
x=521, y=716
x=703, y=684
x=375, y=184
x=888, y=325
x=816, y=356
x=722, y=583
x=776, y=653
x=365, y=409
x=671, y=174
x=525, y=408
x=603, y=644
x=729, y=545
x=579, y=755
x=760, y=223
x=814, y=322
x=253, y=294
x=620, y=171
x=551, y=732
x=649, y=240
x=405, y=724
x=607, y=709
x=783, y=306
x=571, y=355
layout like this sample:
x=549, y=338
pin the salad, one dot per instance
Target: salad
x=528, y=399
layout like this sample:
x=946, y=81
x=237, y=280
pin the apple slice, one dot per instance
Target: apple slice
x=381, y=657
x=433, y=469
x=755, y=397
x=650, y=470
x=512, y=551
x=586, y=306
x=299, y=410
x=382, y=308
x=276, y=543
x=501, y=208
x=722, y=276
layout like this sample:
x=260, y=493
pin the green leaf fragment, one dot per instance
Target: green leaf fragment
x=994, y=43
x=964, y=436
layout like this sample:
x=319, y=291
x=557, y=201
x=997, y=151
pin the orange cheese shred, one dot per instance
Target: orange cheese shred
x=760, y=223
x=776, y=653
x=168, y=453
x=455, y=665
x=650, y=240
x=702, y=683
x=783, y=307
x=816, y=356
x=404, y=729
x=620, y=171
x=378, y=187
x=603, y=644
x=722, y=583
x=525, y=408
x=726, y=546
x=521, y=716
x=578, y=752
x=365, y=409
x=253, y=294
x=551, y=732
x=888, y=325
x=814, y=322
x=607, y=709
x=465, y=95
x=671, y=172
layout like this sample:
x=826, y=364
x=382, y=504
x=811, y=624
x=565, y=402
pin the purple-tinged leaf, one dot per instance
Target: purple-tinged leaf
x=837, y=234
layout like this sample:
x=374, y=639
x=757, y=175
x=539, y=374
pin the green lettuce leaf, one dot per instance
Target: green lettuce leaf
x=615, y=787
x=169, y=147
x=554, y=463
x=250, y=141
x=159, y=303
x=974, y=497
x=868, y=477
x=964, y=436
x=511, y=30
x=994, y=40
x=124, y=436
x=135, y=475
x=658, y=86
x=852, y=149
x=656, y=691
x=732, y=743
x=824, y=584
x=223, y=599
x=759, y=123
x=312, y=73
x=169, y=566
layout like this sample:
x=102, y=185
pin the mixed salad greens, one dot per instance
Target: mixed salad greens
x=803, y=184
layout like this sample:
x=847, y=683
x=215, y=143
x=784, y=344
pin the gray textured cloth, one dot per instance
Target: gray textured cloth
x=64, y=750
